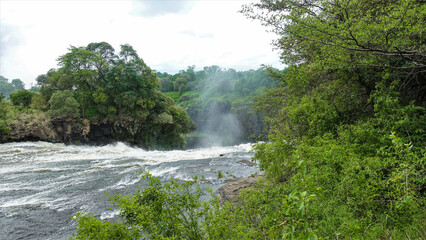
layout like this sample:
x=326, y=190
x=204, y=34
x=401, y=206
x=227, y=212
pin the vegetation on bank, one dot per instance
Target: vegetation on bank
x=19, y=99
x=219, y=101
x=345, y=156
x=118, y=90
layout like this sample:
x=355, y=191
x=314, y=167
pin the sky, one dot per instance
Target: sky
x=169, y=35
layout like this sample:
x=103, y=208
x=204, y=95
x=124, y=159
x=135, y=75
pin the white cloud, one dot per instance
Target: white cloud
x=157, y=8
x=200, y=33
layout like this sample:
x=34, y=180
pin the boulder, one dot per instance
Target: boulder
x=229, y=191
x=247, y=163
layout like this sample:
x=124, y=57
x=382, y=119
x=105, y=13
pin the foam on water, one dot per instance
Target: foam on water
x=109, y=214
x=163, y=171
x=35, y=199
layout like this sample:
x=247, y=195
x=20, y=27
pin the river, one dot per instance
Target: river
x=42, y=185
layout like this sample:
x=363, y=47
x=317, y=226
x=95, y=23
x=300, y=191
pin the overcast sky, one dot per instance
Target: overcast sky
x=169, y=35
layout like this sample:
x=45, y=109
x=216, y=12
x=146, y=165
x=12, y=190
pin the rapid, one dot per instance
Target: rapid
x=42, y=185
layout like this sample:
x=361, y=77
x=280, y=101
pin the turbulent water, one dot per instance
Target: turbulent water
x=42, y=185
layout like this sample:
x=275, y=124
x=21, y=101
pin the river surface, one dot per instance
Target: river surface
x=42, y=185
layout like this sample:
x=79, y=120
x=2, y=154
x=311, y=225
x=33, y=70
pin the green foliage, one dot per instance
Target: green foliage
x=215, y=96
x=93, y=228
x=173, y=95
x=35, y=89
x=63, y=104
x=38, y=102
x=119, y=90
x=18, y=84
x=159, y=211
x=345, y=156
x=6, y=88
x=22, y=98
x=3, y=117
x=347, y=117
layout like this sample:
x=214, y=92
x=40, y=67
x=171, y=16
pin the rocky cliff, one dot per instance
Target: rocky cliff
x=29, y=127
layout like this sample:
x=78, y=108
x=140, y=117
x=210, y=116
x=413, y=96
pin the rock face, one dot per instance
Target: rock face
x=229, y=191
x=68, y=131
x=31, y=128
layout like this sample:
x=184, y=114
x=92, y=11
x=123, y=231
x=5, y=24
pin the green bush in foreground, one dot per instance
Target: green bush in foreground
x=159, y=211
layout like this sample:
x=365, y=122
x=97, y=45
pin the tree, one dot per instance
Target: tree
x=39, y=102
x=348, y=115
x=22, y=98
x=118, y=88
x=18, y=84
x=363, y=38
x=41, y=79
x=6, y=88
x=3, y=110
x=4, y=129
x=35, y=89
x=63, y=104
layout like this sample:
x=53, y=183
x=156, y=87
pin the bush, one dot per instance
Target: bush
x=39, y=102
x=160, y=211
x=22, y=98
x=63, y=104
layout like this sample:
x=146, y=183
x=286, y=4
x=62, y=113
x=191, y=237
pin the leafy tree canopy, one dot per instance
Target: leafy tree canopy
x=6, y=87
x=63, y=104
x=19, y=85
x=120, y=89
x=22, y=98
x=370, y=39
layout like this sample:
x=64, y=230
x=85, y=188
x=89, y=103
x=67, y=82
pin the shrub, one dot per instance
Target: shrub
x=22, y=98
x=63, y=104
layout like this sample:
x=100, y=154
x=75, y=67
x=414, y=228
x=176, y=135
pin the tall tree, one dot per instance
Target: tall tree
x=120, y=89
x=18, y=84
x=364, y=38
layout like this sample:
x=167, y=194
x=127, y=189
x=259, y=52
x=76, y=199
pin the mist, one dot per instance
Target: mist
x=221, y=126
x=220, y=102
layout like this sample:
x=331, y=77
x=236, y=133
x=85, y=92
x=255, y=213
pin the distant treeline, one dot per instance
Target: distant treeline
x=6, y=87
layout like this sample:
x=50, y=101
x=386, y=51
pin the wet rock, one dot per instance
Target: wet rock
x=229, y=191
x=247, y=163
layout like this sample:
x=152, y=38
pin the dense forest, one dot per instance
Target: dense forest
x=345, y=153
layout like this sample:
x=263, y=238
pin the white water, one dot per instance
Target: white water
x=42, y=185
